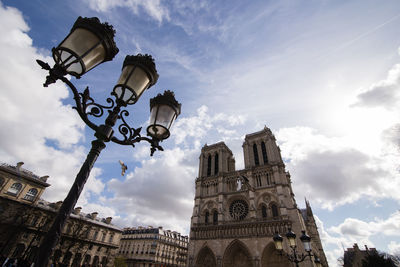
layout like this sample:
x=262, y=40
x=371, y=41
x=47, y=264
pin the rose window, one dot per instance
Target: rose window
x=239, y=209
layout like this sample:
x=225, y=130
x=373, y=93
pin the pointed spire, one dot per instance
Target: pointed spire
x=308, y=208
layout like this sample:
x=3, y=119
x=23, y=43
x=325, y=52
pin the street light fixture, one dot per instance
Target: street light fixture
x=89, y=44
x=295, y=257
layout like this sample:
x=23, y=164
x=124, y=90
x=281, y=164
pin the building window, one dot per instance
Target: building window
x=206, y=217
x=258, y=180
x=269, y=179
x=264, y=211
x=111, y=238
x=216, y=167
x=35, y=220
x=255, y=152
x=274, y=210
x=95, y=235
x=31, y=194
x=103, y=237
x=264, y=153
x=209, y=165
x=14, y=189
x=215, y=217
x=1, y=181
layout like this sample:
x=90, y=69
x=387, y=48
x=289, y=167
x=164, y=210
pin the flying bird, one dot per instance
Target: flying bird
x=123, y=167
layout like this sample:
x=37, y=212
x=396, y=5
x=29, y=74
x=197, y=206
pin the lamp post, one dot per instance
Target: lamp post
x=295, y=257
x=89, y=44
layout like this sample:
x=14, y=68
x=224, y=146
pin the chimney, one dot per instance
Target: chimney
x=44, y=178
x=77, y=210
x=19, y=164
x=108, y=220
x=94, y=215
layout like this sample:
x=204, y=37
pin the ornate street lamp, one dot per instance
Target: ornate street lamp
x=90, y=43
x=294, y=256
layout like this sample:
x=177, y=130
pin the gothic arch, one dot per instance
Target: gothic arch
x=208, y=206
x=237, y=255
x=205, y=258
x=274, y=208
x=266, y=198
x=271, y=258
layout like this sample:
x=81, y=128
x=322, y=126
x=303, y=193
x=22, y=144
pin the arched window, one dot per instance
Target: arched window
x=31, y=194
x=216, y=167
x=14, y=189
x=274, y=210
x=209, y=165
x=256, y=160
x=206, y=217
x=264, y=211
x=264, y=153
x=215, y=217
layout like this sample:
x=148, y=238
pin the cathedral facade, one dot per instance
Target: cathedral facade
x=237, y=212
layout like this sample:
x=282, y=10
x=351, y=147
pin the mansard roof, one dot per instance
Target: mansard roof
x=23, y=173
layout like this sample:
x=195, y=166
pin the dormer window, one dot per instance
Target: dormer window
x=31, y=194
x=14, y=189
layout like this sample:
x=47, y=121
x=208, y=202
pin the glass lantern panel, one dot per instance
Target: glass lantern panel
x=292, y=242
x=124, y=74
x=68, y=59
x=161, y=119
x=307, y=246
x=165, y=116
x=80, y=41
x=118, y=91
x=128, y=95
x=138, y=82
x=278, y=245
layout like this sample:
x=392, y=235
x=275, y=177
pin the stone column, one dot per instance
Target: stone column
x=256, y=262
x=201, y=165
x=219, y=261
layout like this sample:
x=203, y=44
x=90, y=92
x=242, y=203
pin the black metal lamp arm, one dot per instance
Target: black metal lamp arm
x=295, y=257
x=85, y=106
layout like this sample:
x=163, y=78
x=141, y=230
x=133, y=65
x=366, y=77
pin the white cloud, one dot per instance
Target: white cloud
x=331, y=172
x=154, y=8
x=358, y=231
x=385, y=93
x=394, y=248
x=352, y=231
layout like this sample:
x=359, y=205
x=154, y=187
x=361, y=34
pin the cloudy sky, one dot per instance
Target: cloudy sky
x=324, y=75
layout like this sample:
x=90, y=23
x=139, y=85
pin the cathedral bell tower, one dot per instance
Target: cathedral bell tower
x=237, y=212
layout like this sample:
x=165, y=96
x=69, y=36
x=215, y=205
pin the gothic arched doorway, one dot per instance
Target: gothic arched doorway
x=237, y=255
x=205, y=258
x=271, y=258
